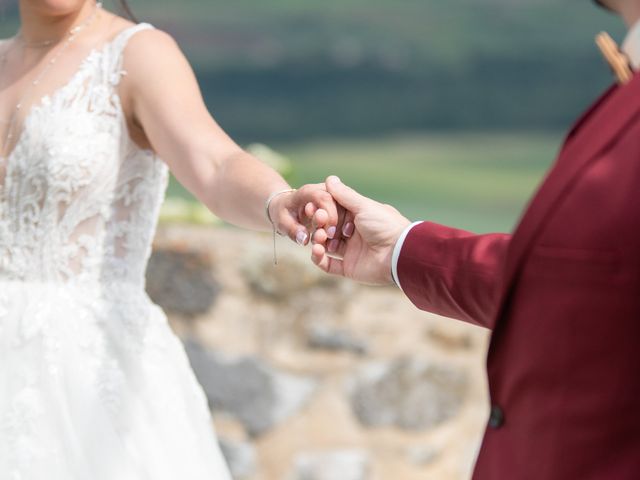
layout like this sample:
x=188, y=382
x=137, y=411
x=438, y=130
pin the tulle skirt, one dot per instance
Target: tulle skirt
x=95, y=385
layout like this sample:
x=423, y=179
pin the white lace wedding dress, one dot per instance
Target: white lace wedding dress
x=93, y=383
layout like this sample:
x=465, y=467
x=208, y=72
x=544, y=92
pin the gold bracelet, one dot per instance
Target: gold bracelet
x=267, y=204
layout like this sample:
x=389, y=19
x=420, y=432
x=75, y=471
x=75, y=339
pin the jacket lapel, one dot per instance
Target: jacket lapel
x=594, y=132
x=589, y=112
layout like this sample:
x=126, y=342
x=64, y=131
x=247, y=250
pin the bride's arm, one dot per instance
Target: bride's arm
x=161, y=95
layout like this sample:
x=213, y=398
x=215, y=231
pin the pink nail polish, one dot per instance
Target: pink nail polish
x=331, y=232
x=301, y=238
x=348, y=229
x=333, y=246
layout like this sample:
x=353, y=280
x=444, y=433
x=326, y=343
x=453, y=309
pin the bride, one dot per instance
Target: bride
x=94, y=111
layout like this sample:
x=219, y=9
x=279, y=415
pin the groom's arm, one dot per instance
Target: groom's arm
x=451, y=272
x=441, y=269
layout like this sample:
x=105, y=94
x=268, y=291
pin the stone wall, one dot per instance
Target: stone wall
x=311, y=377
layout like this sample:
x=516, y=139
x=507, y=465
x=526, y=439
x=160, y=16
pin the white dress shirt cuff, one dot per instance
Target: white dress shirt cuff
x=396, y=252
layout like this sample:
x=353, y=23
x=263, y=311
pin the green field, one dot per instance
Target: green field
x=475, y=181
x=287, y=70
x=290, y=73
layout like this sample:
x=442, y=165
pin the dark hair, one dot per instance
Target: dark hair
x=601, y=4
x=123, y=5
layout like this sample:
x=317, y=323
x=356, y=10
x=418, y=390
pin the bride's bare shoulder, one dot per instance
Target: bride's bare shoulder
x=152, y=39
x=152, y=54
x=151, y=45
x=144, y=42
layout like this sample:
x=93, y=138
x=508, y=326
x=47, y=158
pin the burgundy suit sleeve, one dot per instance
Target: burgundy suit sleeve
x=452, y=272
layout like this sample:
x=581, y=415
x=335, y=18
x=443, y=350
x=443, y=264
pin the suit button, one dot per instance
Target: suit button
x=496, y=419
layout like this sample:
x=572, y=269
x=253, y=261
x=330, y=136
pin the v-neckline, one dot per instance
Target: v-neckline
x=47, y=99
x=50, y=97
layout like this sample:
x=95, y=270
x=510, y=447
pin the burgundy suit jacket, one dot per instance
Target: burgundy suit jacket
x=562, y=296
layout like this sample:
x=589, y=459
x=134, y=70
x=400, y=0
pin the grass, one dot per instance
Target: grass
x=476, y=181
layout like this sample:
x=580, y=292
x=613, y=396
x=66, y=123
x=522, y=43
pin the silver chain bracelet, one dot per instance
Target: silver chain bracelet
x=267, y=205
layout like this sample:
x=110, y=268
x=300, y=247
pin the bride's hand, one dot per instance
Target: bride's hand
x=298, y=214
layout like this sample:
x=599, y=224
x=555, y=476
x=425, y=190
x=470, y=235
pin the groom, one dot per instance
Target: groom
x=561, y=295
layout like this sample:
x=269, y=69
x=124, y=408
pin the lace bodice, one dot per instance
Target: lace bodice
x=79, y=199
x=93, y=382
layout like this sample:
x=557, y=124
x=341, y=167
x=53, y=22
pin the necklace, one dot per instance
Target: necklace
x=71, y=36
x=42, y=44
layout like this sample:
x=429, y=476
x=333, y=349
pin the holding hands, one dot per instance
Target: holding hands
x=289, y=211
x=353, y=236
x=362, y=249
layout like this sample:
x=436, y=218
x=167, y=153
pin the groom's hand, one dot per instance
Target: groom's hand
x=364, y=250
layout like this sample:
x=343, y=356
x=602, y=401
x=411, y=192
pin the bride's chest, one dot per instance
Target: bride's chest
x=68, y=147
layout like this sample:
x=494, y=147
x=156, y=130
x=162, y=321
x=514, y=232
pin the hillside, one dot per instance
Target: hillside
x=288, y=69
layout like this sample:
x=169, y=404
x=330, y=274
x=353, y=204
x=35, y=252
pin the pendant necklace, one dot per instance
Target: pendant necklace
x=71, y=36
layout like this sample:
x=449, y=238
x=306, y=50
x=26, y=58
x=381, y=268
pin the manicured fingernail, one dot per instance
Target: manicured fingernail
x=332, y=246
x=331, y=232
x=335, y=179
x=301, y=237
x=348, y=229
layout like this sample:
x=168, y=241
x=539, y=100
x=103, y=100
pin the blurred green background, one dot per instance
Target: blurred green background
x=451, y=110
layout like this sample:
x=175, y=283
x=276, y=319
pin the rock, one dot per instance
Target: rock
x=333, y=465
x=180, y=281
x=294, y=276
x=450, y=340
x=327, y=338
x=245, y=387
x=241, y=458
x=409, y=393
